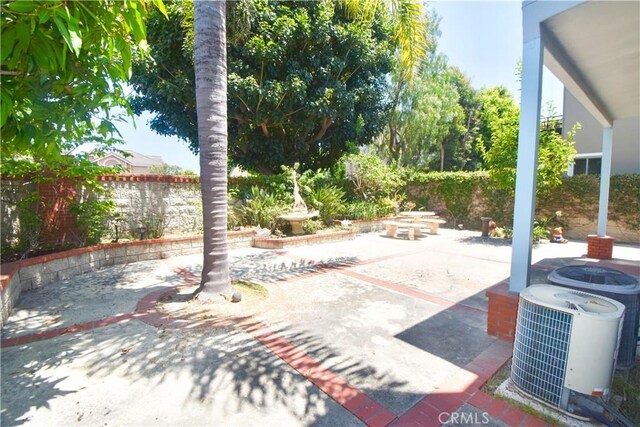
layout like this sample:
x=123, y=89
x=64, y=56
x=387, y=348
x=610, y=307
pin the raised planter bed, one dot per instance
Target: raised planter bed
x=41, y=270
x=310, y=239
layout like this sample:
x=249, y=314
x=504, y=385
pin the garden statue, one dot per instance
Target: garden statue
x=298, y=204
x=299, y=213
x=557, y=237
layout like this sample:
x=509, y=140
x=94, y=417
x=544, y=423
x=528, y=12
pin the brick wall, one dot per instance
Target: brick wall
x=59, y=225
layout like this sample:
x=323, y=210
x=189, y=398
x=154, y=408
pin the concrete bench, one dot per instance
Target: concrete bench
x=412, y=227
x=433, y=224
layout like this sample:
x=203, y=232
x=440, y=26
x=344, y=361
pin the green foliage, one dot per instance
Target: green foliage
x=30, y=225
x=165, y=169
x=499, y=126
x=262, y=208
x=329, y=201
x=432, y=121
x=624, y=201
x=364, y=211
x=153, y=224
x=499, y=142
x=627, y=385
x=62, y=68
x=242, y=187
x=455, y=189
x=408, y=20
x=540, y=232
x=579, y=196
x=93, y=217
x=311, y=226
x=91, y=205
x=307, y=84
x=371, y=178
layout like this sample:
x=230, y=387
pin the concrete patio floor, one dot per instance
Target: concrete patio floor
x=373, y=331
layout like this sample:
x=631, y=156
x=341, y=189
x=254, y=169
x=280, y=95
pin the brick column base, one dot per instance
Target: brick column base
x=599, y=247
x=503, y=312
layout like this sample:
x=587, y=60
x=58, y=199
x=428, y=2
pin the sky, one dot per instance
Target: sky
x=483, y=39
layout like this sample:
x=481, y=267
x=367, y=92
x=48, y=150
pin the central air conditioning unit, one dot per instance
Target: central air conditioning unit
x=565, y=346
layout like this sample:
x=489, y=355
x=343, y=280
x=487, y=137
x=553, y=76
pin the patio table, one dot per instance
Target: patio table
x=416, y=215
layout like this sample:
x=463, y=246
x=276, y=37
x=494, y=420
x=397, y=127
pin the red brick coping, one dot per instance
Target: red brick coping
x=128, y=177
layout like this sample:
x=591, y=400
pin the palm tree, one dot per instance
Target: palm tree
x=409, y=22
x=210, y=62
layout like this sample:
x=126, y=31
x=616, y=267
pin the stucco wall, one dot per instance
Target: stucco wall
x=11, y=193
x=175, y=200
x=625, y=157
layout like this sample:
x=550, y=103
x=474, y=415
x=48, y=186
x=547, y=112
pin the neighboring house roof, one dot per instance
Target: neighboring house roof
x=135, y=159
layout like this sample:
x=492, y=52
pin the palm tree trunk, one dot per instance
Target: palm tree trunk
x=210, y=62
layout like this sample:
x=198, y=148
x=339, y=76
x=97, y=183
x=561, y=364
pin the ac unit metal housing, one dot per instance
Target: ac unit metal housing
x=566, y=342
x=610, y=283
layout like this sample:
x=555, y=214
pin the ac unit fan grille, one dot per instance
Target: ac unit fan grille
x=540, y=351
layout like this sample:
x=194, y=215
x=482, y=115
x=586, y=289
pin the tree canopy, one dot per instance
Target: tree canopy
x=499, y=142
x=306, y=85
x=432, y=118
x=61, y=70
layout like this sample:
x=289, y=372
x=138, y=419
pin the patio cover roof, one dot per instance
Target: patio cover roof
x=593, y=47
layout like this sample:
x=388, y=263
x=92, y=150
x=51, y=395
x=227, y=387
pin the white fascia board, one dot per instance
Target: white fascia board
x=537, y=11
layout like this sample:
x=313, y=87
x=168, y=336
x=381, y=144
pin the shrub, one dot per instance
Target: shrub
x=262, y=209
x=329, y=201
x=364, y=211
x=371, y=178
x=624, y=202
x=311, y=226
x=455, y=190
x=93, y=217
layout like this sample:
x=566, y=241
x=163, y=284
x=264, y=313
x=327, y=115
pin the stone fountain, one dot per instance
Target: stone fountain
x=299, y=213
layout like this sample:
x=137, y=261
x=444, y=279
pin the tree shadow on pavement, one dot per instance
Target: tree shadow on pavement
x=215, y=366
x=269, y=267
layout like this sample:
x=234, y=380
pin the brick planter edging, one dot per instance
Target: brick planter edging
x=503, y=312
x=40, y=271
x=309, y=239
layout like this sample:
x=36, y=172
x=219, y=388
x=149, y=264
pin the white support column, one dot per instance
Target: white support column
x=605, y=175
x=525, y=201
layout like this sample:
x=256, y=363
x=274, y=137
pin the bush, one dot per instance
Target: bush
x=262, y=209
x=311, y=226
x=455, y=190
x=363, y=211
x=329, y=201
x=371, y=178
x=93, y=217
x=624, y=202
